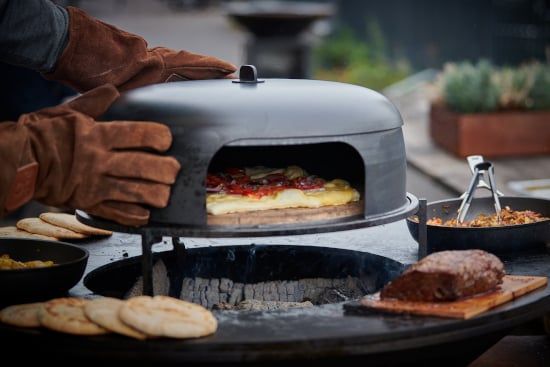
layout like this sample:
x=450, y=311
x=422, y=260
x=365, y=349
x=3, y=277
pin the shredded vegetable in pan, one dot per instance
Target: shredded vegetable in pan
x=508, y=217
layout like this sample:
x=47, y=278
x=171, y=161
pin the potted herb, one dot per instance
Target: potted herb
x=492, y=111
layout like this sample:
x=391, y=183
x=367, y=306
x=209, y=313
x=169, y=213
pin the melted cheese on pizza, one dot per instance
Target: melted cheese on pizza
x=335, y=192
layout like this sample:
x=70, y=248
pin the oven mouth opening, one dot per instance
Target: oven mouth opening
x=328, y=159
x=250, y=277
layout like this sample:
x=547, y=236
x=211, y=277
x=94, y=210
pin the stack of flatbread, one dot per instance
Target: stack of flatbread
x=52, y=226
x=141, y=317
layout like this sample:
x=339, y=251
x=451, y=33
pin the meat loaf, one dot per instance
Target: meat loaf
x=447, y=276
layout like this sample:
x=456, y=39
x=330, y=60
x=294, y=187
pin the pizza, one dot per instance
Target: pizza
x=260, y=188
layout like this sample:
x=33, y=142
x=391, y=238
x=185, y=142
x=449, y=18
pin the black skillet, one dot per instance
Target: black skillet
x=39, y=284
x=503, y=239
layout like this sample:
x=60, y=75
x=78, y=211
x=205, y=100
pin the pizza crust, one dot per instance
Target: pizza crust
x=288, y=216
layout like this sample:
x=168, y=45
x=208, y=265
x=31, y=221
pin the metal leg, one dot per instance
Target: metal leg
x=422, y=215
x=148, y=239
x=176, y=277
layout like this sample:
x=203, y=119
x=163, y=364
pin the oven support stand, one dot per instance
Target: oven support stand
x=176, y=280
x=149, y=238
x=422, y=215
x=147, y=241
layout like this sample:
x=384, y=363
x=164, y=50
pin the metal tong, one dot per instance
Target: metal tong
x=479, y=168
x=472, y=161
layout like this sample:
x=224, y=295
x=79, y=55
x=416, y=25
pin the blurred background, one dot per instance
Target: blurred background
x=397, y=47
x=369, y=43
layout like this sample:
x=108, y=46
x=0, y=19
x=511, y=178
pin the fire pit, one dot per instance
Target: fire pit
x=325, y=334
x=226, y=275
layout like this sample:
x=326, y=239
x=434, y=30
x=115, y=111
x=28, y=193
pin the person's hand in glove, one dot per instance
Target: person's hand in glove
x=99, y=53
x=60, y=156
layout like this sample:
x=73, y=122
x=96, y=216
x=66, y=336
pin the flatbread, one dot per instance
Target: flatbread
x=13, y=231
x=165, y=316
x=67, y=315
x=21, y=315
x=69, y=221
x=38, y=226
x=104, y=312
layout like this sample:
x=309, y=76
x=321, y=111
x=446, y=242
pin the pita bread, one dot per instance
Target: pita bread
x=13, y=231
x=165, y=316
x=22, y=315
x=104, y=312
x=70, y=221
x=38, y=226
x=67, y=315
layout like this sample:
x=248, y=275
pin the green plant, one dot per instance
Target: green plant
x=539, y=94
x=484, y=87
x=344, y=58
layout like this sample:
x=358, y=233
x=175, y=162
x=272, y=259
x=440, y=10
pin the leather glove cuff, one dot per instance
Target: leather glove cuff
x=19, y=169
x=23, y=186
x=98, y=53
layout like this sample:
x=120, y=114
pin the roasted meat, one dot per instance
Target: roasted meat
x=447, y=276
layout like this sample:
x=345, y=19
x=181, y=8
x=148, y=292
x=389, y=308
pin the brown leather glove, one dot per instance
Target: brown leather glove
x=60, y=156
x=99, y=53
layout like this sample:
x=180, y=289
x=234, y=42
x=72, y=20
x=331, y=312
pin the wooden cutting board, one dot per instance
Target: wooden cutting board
x=513, y=286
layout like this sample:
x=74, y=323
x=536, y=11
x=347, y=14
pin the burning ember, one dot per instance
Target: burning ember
x=225, y=294
x=251, y=277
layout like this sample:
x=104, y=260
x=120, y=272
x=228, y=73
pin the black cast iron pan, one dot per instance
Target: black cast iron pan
x=499, y=240
x=39, y=284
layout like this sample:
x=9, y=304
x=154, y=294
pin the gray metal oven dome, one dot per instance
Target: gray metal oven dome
x=275, y=108
x=209, y=116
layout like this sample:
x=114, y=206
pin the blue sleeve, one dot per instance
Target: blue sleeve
x=33, y=33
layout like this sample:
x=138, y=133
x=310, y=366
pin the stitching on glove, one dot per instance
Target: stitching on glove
x=23, y=186
x=175, y=78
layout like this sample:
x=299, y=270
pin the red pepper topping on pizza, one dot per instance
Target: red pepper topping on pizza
x=262, y=188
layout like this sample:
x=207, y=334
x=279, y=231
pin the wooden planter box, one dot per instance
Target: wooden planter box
x=491, y=134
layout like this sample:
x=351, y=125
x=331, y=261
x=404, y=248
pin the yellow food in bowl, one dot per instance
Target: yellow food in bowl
x=6, y=262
